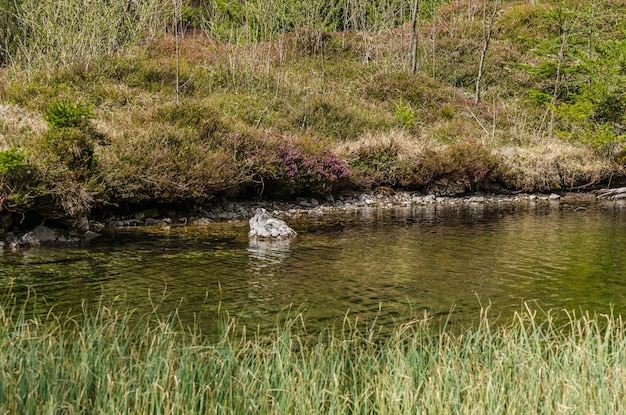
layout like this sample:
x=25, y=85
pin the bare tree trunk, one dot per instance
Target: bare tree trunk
x=488, y=29
x=565, y=28
x=434, y=17
x=591, y=30
x=414, y=36
x=177, y=18
x=557, y=80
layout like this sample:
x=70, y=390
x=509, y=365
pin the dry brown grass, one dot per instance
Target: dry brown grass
x=399, y=143
x=16, y=123
x=554, y=165
x=399, y=158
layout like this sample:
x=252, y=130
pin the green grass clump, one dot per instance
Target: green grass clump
x=12, y=163
x=17, y=178
x=117, y=362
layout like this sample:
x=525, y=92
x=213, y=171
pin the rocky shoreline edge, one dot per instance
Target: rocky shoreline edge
x=345, y=202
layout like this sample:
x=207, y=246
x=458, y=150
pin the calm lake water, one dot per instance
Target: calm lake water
x=385, y=264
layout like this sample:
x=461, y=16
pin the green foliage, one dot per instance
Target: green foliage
x=69, y=142
x=577, y=69
x=18, y=181
x=192, y=16
x=457, y=168
x=539, y=97
x=12, y=163
x=377, y=163
x=595, y=112
x=63, y=114
x=518, y=24
x=405, y=115
x=70, y=146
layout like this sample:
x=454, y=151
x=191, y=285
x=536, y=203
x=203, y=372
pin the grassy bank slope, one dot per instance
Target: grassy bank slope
x=108, y=362
x=208, y=100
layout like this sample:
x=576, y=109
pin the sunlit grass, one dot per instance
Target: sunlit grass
x=118, y=362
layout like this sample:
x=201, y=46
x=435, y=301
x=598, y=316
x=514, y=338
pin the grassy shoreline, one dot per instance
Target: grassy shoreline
x=244, y=104
x=113, y=362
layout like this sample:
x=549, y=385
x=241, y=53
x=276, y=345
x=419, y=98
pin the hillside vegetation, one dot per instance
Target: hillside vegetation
x=119, y=104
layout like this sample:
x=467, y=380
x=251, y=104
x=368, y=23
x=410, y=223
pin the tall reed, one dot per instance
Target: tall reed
x=117, y=362
x=58, y=33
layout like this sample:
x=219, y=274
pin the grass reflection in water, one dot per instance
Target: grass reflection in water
x=376, y=264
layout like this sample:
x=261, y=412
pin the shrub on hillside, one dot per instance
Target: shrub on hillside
x=63, y=114
x=396, y=160
x=17, y=179
x=374, y=162
x=457, y=168
x=71, y=138
x=12, y=164
x=64, y=155
x=287, y=166
x=164, y=163
x=324, y=118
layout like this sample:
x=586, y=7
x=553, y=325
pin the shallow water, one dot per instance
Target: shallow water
x=384, y=264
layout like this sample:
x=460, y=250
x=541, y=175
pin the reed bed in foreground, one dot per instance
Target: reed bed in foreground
x=113, y=362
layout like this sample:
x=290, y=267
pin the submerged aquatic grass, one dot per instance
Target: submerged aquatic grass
x=113, y=362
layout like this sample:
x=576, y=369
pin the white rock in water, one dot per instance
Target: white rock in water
x=263, y=225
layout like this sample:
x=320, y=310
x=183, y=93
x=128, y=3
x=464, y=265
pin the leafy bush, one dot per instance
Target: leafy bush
x=375, y=163
x=63, y=114
x=12, y=163
x=287, y=166
x=166, y=164
x=70, y=146
x=71, y=138
x=17, y=181
x=456, y=168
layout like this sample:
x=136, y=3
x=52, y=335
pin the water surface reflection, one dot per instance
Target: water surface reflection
x=372, y=264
